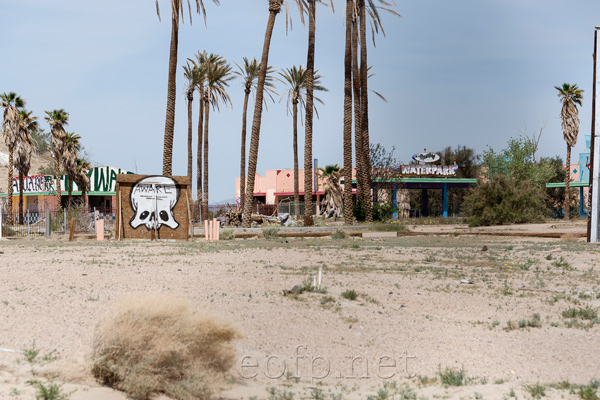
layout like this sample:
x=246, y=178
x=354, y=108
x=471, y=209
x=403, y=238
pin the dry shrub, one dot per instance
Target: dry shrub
x=157, y=344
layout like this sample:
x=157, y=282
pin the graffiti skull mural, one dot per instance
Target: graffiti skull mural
x=152, y=200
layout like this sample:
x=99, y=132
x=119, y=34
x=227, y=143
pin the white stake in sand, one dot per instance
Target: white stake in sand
x=320, y=276
x=315, y=281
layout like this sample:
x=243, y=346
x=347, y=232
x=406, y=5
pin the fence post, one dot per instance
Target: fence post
x=65, y=220
x=48, y=222
x=0, y=223
x=95, y=230
x=27, y=222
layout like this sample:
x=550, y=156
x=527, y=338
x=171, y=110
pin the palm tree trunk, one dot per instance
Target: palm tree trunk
x=364, y=109
x=10, y=212
x=190, y=98
x=171, y=92
x=58, y=189
x=358, y=147
x=348, y=217
x=567, y=182
x=199, y=152
x=205, y=187
x=296, y=171
x=308, y=122
x=21, y=182
x=243, y=150
x=274, y=9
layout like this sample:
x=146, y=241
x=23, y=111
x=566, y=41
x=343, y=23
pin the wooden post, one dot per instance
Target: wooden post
x=72, y=230
x=214, y=229
x=206, y=229
x=120, y=216
x=190, y=226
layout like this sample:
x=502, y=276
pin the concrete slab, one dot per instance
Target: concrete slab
x=379, y=234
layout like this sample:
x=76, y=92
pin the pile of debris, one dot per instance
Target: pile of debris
x=233, y=217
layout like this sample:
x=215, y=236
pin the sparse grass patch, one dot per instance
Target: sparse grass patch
x=536, y=391
x=339, y=234
x=390, y=227
x=227, y=234
x=270, y=232
x=562, y=263
x=452, y=376
x=49, y=391
x=535, y=322
x=349, y=294
x=157, y=344
x=31, y=353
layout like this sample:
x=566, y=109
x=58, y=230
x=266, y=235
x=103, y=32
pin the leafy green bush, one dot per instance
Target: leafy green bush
x=382, y=211
x=504, y=201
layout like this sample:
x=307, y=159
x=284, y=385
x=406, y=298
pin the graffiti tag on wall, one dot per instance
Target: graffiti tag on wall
x=153, y=200
x=102, y=180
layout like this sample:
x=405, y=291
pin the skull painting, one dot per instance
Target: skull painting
x=153, y=199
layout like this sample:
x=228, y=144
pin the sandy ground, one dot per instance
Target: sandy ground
x=412, y=319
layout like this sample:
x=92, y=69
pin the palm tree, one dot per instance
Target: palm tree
x=176, y=13
x=191, y=75
x=57, y=119
x=218, y=74
x=361, y=109
x=569, y=95
x=23, y=150
x=248, y=74
x=81, y=177
x=274, y=9
x=332, y=204
x=71, y=151
x=348, y=215
x=295, y=80
x=200, y=77
x=11, y=128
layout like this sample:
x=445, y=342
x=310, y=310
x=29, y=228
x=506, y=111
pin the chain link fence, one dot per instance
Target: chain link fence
x=46, y=221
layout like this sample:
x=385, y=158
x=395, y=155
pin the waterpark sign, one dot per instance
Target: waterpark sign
x=444, y=170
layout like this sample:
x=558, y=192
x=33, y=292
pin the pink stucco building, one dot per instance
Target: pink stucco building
x=278, y=184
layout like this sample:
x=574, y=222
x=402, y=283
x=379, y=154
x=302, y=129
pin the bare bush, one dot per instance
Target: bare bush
x=156, y=344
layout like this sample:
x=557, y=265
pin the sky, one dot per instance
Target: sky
x=464, y=72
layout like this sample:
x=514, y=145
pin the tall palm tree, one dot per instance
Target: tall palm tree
x=57, y=119
x=295, y=80
x=191, y=75
x=176, y=14
x=70, y=154
x=11, y=102
x=200, y=77
x=23, y=150
x=360, y=76
x=248, y=75
x=81, y=177
x=569, y=95
x=348, y=215
x=218, y=74
x=274, y=9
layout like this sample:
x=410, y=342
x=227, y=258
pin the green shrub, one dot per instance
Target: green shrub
x=503, y=201
x=452, y=377
x=339, y=234
x=227, y=234
x=382, y=211
x=349, y=295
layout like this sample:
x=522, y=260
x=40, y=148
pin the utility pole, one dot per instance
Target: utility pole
x=592, y=226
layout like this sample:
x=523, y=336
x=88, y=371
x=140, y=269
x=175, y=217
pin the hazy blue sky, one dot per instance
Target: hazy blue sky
x=469, y=72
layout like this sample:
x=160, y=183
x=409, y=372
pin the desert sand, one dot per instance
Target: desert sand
x=425, y=305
